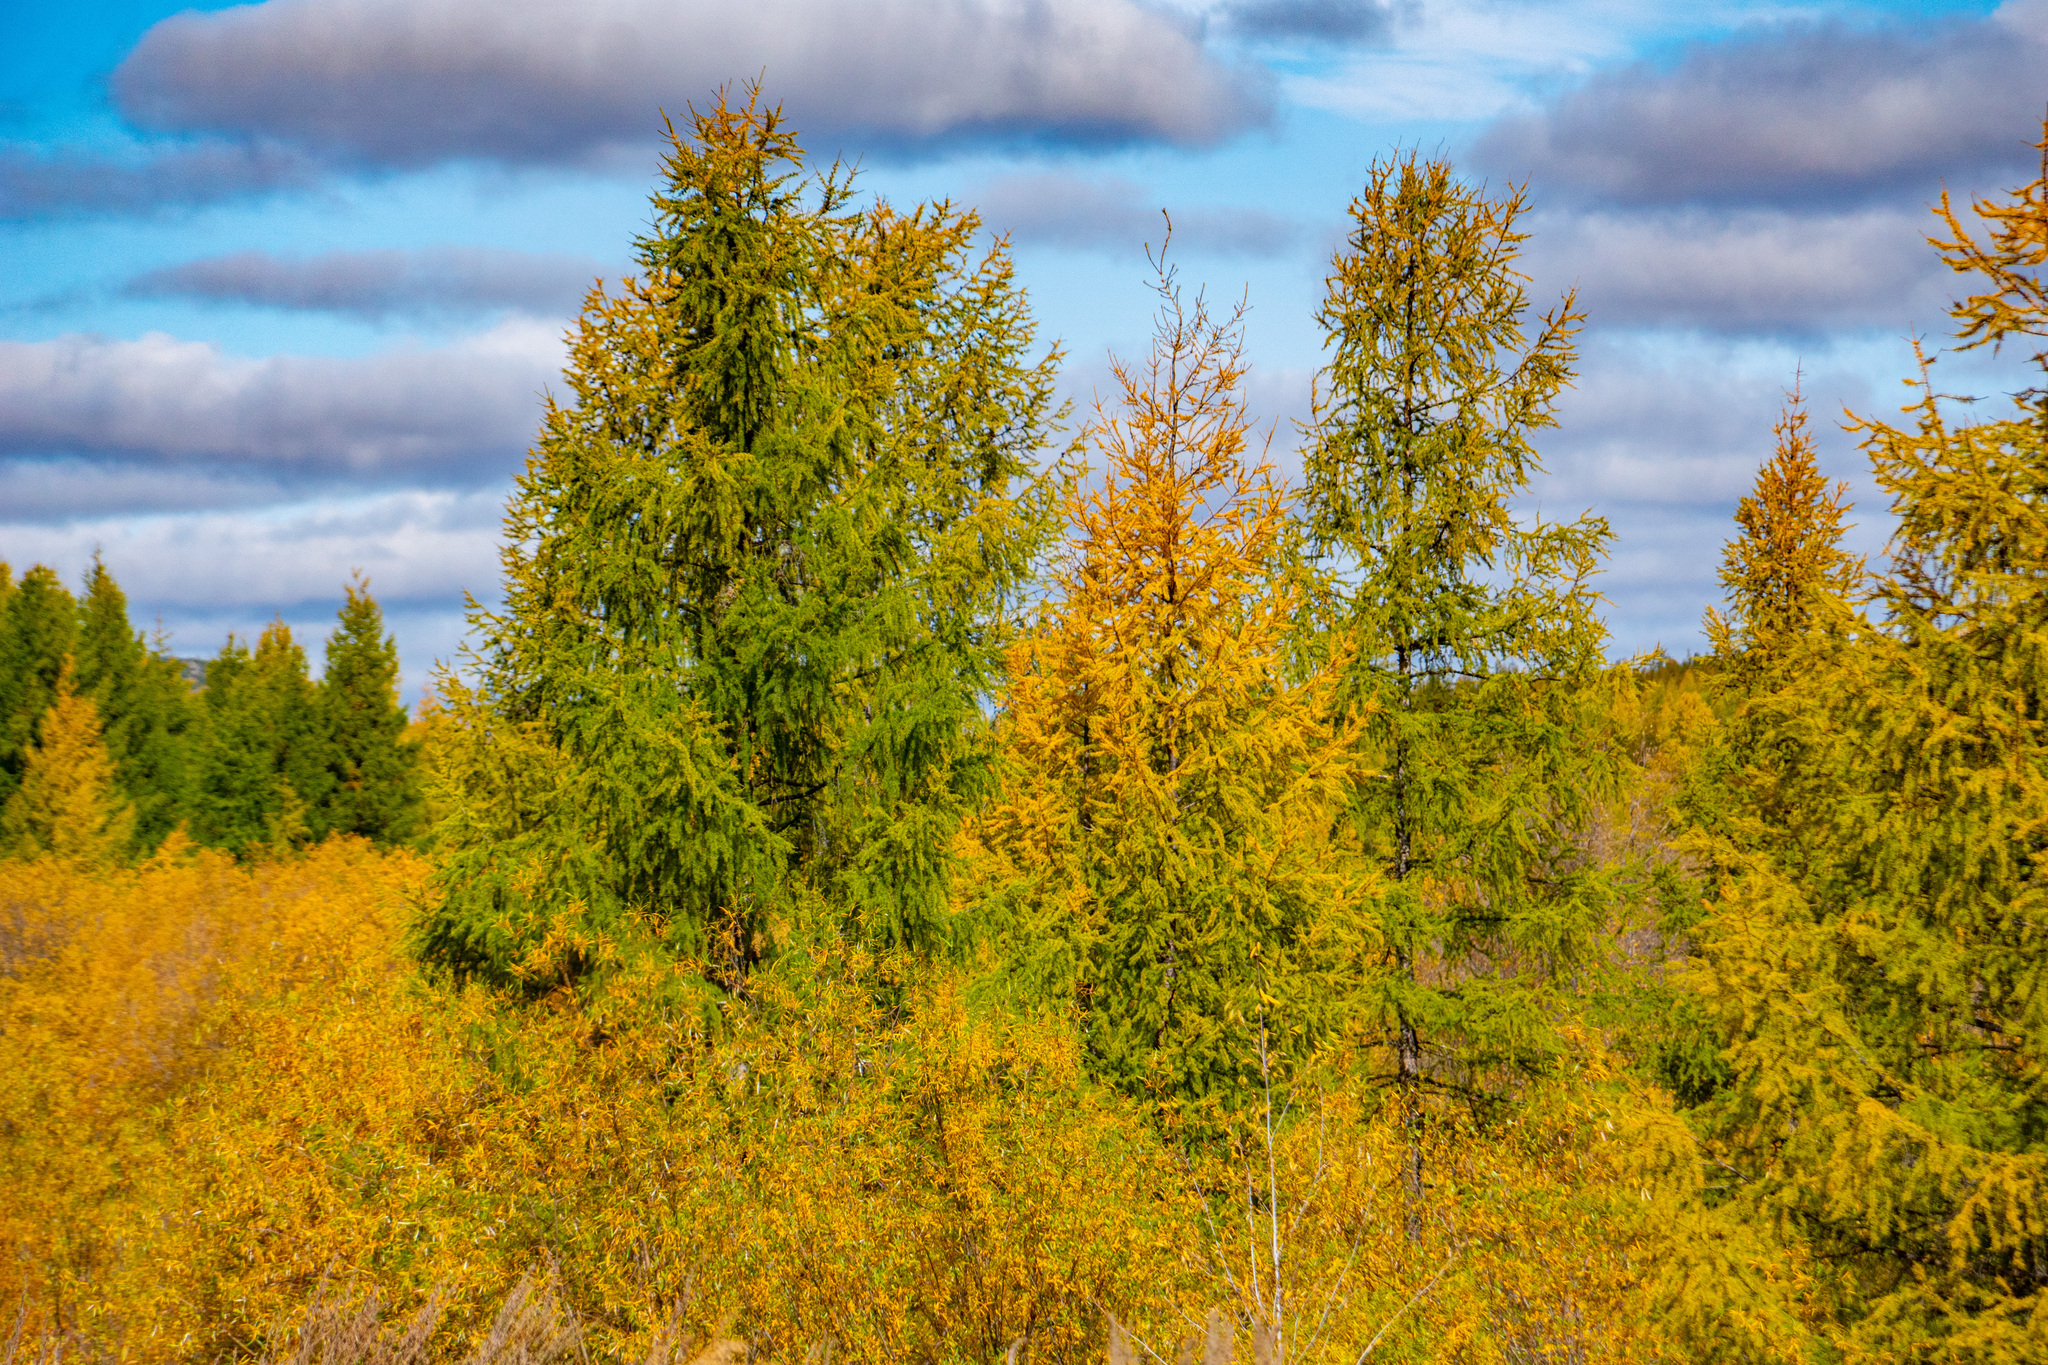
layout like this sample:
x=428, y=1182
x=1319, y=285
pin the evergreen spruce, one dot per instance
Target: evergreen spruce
x=755, y=579
x=145, y=707
x=266, y=764
x=373, y=788
x=1468, y=634
x=38, y=629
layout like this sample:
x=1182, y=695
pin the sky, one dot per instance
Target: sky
x=282, y=284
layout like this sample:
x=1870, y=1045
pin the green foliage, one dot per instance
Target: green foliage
x=1466, y=634
x=150, y=718
x=266, y=762
x=37, y=632
x=756, y=573
x=374, y=785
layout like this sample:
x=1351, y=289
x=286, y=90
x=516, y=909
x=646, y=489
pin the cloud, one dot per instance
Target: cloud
x=46, y=185
x=380, y=284
x=202, y=574
x=1113, y=214
x=54, y=491
x=446, y=416
x=1817, y=114
x=414, y=82
x=1327, y=21
x=1746, y=271
x=1662, y=440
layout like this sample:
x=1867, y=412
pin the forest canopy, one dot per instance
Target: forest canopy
x=912, y=872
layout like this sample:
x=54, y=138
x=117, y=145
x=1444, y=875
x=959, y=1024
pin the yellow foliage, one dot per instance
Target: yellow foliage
x=110, y=987
x=223, y=1085
x=1166, y=849
x=67, y=806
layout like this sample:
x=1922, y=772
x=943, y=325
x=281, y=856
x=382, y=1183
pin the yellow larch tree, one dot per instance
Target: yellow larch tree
x=1166, y=849
x=67, y=806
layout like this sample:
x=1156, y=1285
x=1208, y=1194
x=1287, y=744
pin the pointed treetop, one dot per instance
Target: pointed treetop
x=1786, y=574
x=66, y=806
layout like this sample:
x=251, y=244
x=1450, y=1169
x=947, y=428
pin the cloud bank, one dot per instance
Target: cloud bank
x=382, y=284
x=1745, y=271
x=403, y=83
x=452, y=416
x=1816, y=115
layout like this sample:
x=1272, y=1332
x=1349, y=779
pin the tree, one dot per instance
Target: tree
x=1165, y=854
x=145, y=706
x=756, y=575
x=373, y=787
x=1467, y=633
x=266, y=765
x=1878, y=963
x=36, y=637
x=1786, y=575
x=67, y=805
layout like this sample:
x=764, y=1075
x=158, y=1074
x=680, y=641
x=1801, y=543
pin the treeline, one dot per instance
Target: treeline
x=259, y=756
x=910, y=883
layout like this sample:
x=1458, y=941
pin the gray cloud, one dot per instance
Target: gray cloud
x=52, y=491
x=1327, y=21
x=380, y=284
x=1749, y=271
x=446, y=416
x=1795, y=115
x=66, y=182
x=1112, y=214
x=413, y=82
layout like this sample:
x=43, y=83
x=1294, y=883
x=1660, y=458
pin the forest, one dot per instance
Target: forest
x=911, y=872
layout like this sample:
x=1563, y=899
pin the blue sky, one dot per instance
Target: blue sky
x=280, y=284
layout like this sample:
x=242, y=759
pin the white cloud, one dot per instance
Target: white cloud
x=410, y=415
x=201, y=574
x=1794, y=113
x=1743, y=271
x=411, y=82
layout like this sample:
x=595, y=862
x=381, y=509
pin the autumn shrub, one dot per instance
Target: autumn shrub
x=112, y=987
x=233, y=1104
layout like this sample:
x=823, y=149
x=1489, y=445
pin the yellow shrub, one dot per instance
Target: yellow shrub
x=222, y=1085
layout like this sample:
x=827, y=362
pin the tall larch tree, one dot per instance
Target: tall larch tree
x=374, y=783
x=1880, y=970
x=1167, y=853
x=145, y=707
x=68, y=804
x=756, y=575
x=1467, y=632
x=37, y=631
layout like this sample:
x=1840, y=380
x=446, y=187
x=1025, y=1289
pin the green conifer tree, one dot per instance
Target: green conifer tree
x=755, y=577
x=374, y=785
x=1876, y=955
x=144, y=705
x=37, y=631
x=266, y=763
x=1469, y=632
